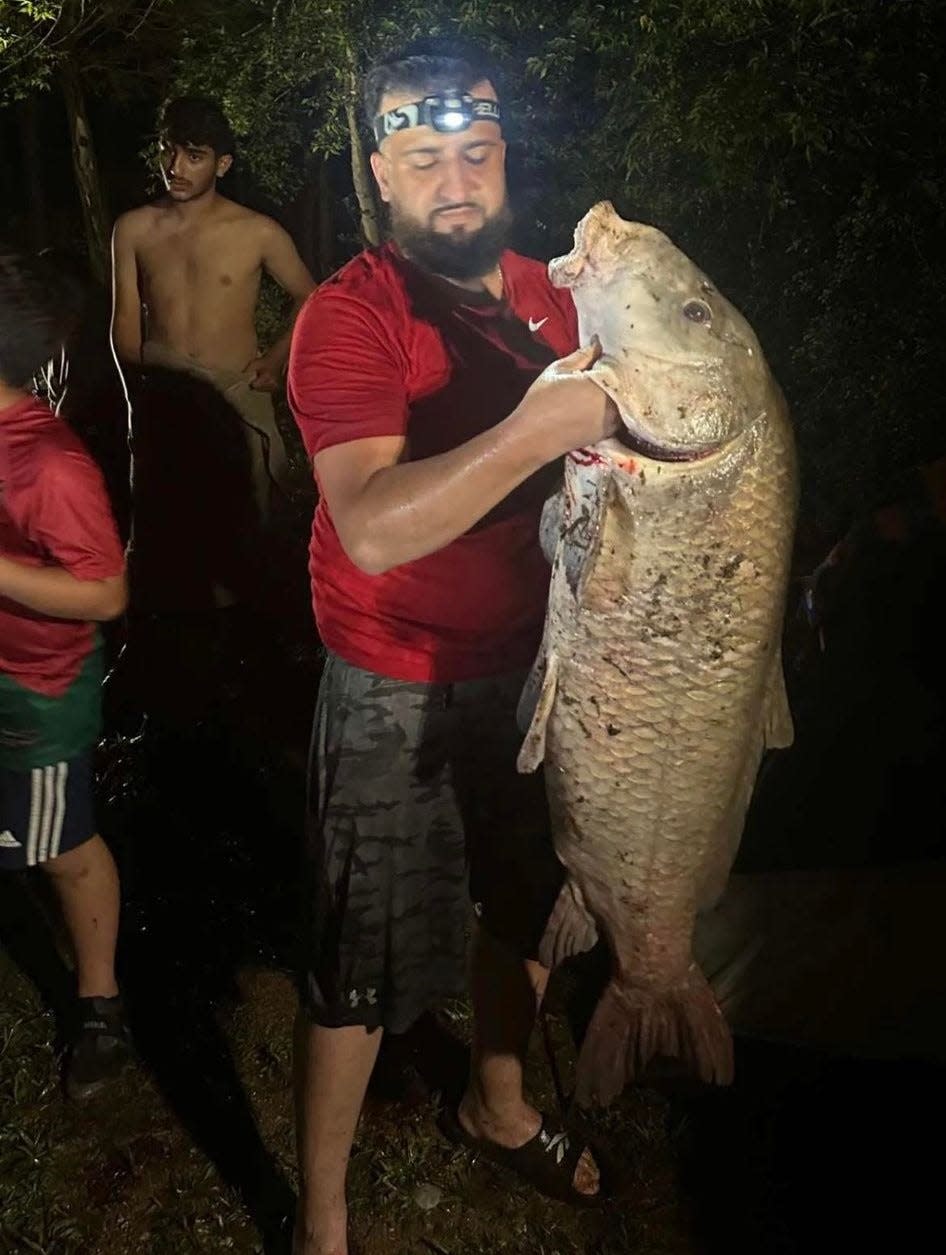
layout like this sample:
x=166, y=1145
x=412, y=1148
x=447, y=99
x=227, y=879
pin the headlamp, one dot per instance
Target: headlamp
x=450, y=112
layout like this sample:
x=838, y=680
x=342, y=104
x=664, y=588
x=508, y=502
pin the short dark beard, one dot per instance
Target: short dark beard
x=461, y=255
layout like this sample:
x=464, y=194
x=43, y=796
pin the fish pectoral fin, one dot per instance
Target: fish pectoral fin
x=550, y=525
x=606, y=562
x=777, y=729
x=535, y=705
x=571, y=928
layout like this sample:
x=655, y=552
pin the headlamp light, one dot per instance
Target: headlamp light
x=450, y=112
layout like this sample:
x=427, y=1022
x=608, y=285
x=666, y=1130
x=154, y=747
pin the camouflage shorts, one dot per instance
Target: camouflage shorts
x=413, y=797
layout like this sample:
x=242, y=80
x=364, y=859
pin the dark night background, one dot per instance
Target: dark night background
x=794, y=149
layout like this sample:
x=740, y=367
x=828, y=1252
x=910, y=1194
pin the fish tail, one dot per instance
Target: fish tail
x=633, y=1026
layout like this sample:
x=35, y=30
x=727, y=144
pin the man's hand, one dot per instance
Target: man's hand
x=282, y=263
x=567, y=409
x=265, y=372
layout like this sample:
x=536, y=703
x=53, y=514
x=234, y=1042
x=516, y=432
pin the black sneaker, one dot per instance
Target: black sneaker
x=100, y=1050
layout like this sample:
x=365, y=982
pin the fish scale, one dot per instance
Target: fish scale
x=659, y=681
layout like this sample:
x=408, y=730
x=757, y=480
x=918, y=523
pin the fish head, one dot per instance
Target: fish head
x=680, y=362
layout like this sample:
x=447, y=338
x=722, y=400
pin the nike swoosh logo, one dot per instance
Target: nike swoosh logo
x=536, y=326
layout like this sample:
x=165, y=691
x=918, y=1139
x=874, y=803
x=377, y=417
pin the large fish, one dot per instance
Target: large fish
x=659, y=683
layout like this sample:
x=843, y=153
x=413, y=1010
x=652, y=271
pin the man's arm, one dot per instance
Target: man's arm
x=388, y=512
x=281, y=260
x=52, y=590
x=67, y=516
x=126, y=299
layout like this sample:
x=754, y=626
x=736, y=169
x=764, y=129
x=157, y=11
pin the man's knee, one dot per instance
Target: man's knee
x=77, y=864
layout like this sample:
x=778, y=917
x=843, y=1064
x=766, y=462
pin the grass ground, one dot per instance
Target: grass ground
x=123, y=1175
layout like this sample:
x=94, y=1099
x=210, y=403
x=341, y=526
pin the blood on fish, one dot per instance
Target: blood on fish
x=586, y=457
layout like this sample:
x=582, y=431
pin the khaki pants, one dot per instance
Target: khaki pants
x=267, y=450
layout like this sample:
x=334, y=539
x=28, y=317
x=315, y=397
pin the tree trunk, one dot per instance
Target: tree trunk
x=317, y=222
x=31, y=145
x=326, y=251
x=361, y=174
x=88, y=184
x=309, y=218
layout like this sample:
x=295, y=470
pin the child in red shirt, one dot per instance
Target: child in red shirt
x=62, y=571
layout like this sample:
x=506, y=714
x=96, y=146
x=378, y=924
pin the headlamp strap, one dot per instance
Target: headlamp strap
x=449, y=112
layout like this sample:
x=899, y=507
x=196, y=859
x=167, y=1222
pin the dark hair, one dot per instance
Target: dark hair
x=425, y=66
x=39, y=309
x=198, y=120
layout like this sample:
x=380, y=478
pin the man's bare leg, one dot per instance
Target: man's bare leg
x=507, y=992
x=332, y=1070
x=86, y=883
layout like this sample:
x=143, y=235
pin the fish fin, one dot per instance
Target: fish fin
x=571, y=928
x=535, y=706
x=550, y=524
x=634, y=1027
x=776, y=732
x=613, y=533
x=778, y=729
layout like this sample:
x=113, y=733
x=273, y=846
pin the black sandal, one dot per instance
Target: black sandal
x=547, y=1161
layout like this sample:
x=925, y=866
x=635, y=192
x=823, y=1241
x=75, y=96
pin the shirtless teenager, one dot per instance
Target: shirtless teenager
x=186, y=276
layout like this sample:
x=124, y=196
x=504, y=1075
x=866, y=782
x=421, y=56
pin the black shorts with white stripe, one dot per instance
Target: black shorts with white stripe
x=45, y=812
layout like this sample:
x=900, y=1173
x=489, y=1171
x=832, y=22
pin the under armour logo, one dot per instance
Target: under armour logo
x=369, y=995
x=557, y=1145
x=537, y=326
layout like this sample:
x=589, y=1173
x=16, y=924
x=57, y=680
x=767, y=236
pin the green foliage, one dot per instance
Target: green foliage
x=25, y=62
x=117, y=46
x=285, y=73
x=792, y=147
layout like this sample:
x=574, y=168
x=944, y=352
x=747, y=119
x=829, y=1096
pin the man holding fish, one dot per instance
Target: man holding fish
x=424, y=380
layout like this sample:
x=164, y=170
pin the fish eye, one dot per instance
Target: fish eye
x=698, y=311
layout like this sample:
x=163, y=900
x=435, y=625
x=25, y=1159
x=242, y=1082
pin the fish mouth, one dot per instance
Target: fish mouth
x=645, y=448
x=574, y=268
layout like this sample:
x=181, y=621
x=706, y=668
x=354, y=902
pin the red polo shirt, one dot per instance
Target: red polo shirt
x=385, y=349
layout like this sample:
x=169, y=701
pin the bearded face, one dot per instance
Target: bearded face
x=446, y=192
x=462, y=252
